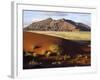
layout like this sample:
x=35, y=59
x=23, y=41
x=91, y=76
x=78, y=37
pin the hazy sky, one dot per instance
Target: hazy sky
x=32, y=16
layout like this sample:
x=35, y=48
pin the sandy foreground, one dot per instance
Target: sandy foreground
x=74, y=46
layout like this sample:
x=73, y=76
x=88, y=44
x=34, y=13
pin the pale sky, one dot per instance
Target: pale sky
x=32, y=16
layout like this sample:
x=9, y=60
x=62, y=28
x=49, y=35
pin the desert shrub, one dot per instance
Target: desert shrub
x=79, y=56
x=48, y=53
x=34, y=54
x=67, y=57
x=27, y=54
x=54, y=48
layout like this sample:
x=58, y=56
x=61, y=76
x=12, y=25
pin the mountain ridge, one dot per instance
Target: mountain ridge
x=63, y=24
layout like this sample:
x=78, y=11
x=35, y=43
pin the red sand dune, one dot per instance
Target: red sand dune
x=44, y=41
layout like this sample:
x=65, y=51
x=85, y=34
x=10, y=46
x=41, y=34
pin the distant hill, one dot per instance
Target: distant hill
x=50, y=24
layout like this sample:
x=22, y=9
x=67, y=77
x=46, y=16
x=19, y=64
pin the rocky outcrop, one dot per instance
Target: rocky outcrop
x=50, y=24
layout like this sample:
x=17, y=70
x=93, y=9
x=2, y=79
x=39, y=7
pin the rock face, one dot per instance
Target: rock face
x=50, y=24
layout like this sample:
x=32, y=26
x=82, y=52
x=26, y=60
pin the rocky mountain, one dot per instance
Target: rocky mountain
x=50, y=24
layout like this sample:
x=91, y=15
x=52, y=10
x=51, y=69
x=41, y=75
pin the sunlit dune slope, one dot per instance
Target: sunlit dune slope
x=43, y=42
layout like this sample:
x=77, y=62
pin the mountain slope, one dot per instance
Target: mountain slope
x=50, y=24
